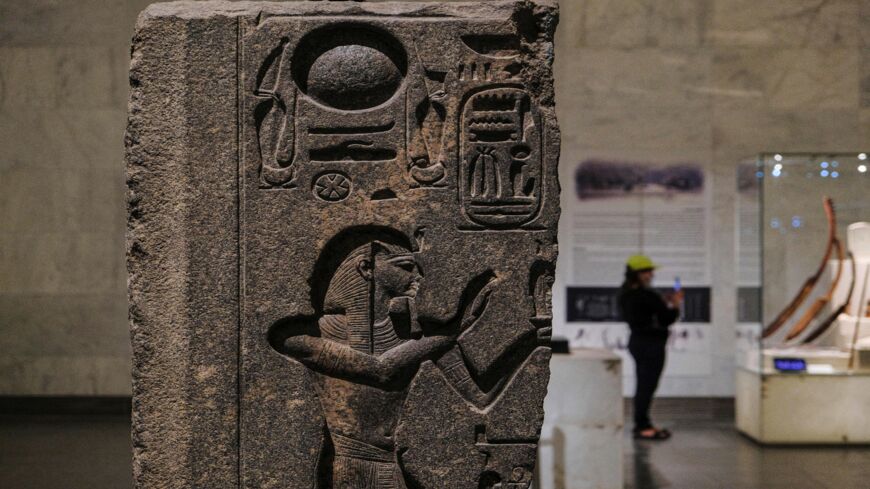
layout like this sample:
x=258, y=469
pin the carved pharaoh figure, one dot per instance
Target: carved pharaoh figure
x=364, y=351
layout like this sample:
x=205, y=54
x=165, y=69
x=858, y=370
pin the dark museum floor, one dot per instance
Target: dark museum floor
x=93, y=452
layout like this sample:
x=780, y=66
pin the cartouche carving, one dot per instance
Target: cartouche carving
x=500, y=173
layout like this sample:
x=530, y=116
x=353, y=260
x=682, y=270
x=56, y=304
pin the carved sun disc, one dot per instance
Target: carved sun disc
x=349, y=67
x=353, y=77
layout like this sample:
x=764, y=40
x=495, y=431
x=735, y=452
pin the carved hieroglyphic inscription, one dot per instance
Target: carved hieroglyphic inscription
x=327, y=99
x=398, y=242
x=337, y=95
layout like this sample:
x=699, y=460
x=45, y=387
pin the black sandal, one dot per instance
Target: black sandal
x=656, y=435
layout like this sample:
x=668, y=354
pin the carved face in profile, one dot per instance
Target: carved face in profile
x=373, y=281
x=397, y=275
x=393, y=271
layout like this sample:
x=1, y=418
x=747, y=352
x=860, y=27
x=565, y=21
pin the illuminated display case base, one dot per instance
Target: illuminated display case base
x=796, y=408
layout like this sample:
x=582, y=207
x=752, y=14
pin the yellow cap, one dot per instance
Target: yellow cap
x=639, y=263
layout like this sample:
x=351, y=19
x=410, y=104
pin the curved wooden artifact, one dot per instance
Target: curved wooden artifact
x=819, y=305
x=810, y=283
x=823, y=327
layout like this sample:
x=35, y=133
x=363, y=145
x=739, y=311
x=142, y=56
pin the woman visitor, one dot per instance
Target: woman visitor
x=649, y=317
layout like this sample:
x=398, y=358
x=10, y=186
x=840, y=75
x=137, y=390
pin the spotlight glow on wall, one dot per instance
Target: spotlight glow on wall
x=796, y=222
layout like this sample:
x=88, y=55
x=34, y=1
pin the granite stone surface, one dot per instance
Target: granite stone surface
x=341, y=243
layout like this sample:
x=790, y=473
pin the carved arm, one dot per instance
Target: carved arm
x=333, y=358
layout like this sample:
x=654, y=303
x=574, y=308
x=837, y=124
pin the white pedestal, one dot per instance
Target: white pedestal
x=803, y=408
x=582, y=437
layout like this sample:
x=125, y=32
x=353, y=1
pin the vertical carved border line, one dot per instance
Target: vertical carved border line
x=240, y=200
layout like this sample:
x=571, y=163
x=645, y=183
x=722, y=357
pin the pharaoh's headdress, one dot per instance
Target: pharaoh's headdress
x=347, y=306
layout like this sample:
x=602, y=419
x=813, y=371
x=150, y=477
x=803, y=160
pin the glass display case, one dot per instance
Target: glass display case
x=803, y=339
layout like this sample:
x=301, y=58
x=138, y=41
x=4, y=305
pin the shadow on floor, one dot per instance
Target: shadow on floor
x=65, y=452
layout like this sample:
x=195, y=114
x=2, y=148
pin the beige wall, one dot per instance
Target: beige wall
x=716, y=80
x=63, y=90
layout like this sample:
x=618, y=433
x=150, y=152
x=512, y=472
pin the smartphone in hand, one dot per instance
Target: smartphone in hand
x=677, y=297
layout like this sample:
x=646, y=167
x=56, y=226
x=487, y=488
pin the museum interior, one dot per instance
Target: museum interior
x=713, y=169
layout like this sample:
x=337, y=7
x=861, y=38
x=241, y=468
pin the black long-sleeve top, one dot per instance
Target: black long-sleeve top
x=646, y=312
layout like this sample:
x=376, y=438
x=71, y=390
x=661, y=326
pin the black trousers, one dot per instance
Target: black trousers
x=649, y=361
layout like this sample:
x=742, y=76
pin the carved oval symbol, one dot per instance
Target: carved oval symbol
x=353, y=77
x=332, y=187
x=349, y=68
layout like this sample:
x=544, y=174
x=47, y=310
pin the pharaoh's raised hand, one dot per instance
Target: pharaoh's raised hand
x=477, y=306
x=472, y=305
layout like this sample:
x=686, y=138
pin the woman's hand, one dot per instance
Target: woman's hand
x=676, y=299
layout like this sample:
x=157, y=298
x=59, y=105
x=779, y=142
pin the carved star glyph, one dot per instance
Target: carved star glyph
x=332, y=187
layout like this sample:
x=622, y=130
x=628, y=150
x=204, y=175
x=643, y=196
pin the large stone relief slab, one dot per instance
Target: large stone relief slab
x=392, y=229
